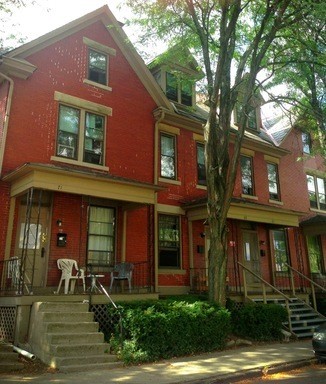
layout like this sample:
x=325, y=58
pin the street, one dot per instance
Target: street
x=315, y=373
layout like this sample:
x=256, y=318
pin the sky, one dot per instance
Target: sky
x=46, y=15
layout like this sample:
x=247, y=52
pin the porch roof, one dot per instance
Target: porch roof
x=242, y=209
x=87, y=182
x=314, y=225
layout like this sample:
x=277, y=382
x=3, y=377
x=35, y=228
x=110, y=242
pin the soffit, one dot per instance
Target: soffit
x=250, y=212
x=89, y=183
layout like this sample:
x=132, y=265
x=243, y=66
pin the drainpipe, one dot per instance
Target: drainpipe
x=156, y=145
x=6, y=120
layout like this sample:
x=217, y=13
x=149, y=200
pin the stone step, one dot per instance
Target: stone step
x=76, y=338
x=64, y=361
x=70, y=328
x=63, y=307
x=72, y=350
x=9, y=366
x=77, y=317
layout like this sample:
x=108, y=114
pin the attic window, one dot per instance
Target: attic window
x=97, y=67
x=98, y=64
x=251, y=117
x=177, y=90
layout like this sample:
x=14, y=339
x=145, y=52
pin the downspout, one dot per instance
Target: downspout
x=156, y=143
x=6, y=119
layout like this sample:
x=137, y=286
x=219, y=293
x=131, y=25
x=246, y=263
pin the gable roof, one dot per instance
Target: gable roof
x=114, y=27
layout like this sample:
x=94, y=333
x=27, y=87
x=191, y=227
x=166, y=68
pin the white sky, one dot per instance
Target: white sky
x=46, y=15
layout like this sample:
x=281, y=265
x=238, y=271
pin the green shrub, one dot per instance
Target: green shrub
x=259, y=322
x=168, y=328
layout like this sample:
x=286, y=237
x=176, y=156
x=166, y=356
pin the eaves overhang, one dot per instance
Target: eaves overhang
x=81, y=182
x=315, y=225
x=13, y=67
x=241, y=209
x=168, y=117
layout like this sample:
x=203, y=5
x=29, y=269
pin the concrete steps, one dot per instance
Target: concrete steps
x=9, y=359
x=304, y=319
x=65, y=336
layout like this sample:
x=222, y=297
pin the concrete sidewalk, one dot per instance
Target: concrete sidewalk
x=217, y=367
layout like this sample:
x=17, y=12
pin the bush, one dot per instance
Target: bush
x=168, y=328
x=261, y=322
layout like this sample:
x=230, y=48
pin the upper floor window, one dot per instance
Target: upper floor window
x=281, y=256
x=252, y=122
x=273, y=181
x=97, y=67
x=306, y=142
x=80, y=135
x=168, y=156
x=178, y=90
x=317, y=192
x=169, y=241
x=247, y=178
x=201, y=169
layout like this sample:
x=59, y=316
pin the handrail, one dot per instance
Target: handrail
x=264, y=282
x=313, y=284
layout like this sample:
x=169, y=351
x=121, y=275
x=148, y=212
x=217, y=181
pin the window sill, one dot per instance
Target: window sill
x=317, y=210
x=80, y=163
x=277, y=202
x=169, y=181
x=172, y=271
x=200, y=186
x=251, y=197
x=97, y=85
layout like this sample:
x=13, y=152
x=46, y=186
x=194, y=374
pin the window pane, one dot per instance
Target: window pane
x=312, y=191
x=68, y=132
x=171, y=87
x=280, y=250
x=315, y=254
x=101, y=237
x=273, y=181
x=94, y=135
x=97, y=67
x=306, y=142
x=168, y=156
x=246, y=172
x=201, y=169
x=169, y=241
x=186, y=93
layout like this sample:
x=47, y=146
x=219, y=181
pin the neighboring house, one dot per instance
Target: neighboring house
x=102, y=161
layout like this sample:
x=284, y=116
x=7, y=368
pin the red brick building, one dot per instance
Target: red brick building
x=102, y=161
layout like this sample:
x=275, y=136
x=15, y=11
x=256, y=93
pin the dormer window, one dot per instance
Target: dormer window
x=252, y=121
x=178, y=90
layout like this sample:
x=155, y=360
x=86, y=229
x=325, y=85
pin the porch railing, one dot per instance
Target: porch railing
x=313, y=284
x=265, y=284
x=13, y=278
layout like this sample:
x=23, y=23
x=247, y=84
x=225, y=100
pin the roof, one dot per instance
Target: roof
x=278, y=127
x=104, y=15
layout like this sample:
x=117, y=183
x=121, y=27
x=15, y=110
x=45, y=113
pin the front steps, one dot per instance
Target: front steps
x=304, y=319
x=9, y=359
x=65, y=336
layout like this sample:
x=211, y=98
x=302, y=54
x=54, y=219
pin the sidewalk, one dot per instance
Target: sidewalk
x=217, y=367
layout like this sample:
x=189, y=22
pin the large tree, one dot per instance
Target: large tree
x=237, y=43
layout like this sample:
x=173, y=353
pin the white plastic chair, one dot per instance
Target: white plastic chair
x=66, y=266
x=122, y=271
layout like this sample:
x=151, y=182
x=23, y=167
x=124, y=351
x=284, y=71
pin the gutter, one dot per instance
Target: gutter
x=6, y=119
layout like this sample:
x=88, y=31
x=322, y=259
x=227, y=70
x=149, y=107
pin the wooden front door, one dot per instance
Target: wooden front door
x=32, y=238
x=251, y=257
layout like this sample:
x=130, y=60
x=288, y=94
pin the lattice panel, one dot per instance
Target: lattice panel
x=7, y=323
x=107, y=323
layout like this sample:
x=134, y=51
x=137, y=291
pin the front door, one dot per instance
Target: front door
x=32, y=237
x=251, y=257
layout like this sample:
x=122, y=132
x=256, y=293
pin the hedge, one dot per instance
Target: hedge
x=169, y=328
